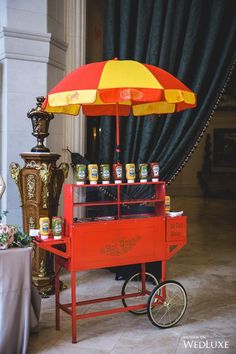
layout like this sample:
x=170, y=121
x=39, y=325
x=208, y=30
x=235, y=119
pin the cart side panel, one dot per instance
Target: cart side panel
x=118, y=242
x=176, y=234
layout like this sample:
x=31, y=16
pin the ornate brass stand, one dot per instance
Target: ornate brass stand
x=40, y=124
x=39, y=182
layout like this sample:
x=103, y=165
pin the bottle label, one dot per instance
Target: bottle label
x=106, y=173
x=81, y=174
x=132, y=171
x=119, y=171
x=156, y=170
x=94, y=172
x=45, y=227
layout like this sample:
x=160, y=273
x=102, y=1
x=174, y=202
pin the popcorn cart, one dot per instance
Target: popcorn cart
x=121, y=239
x=119, y=88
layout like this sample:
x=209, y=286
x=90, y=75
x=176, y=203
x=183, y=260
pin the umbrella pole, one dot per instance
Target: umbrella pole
x=117, y=134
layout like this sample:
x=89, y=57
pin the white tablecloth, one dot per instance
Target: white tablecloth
x=19, y=301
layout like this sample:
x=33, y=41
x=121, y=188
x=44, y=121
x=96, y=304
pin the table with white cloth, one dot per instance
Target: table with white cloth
x=19, y=301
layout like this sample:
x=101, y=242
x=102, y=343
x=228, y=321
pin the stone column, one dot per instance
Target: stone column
x=31, y=61
x=74, y=128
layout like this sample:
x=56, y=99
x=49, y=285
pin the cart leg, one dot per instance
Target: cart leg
x=73, y=304
x=57, y=294
x=163, y=271
x=143, y=277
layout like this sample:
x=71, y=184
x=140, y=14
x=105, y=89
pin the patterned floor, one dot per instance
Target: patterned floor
x=205, y=267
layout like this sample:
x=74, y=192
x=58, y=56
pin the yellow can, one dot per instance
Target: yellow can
x=167, y=204
x=44, y=224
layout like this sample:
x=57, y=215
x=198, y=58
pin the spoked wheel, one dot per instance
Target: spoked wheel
x=134, y=285
x=167, y=304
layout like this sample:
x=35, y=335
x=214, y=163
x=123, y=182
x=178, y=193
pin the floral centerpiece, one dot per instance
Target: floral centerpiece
x=11, y=235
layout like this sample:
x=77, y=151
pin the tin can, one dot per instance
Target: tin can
x=57, y=227
x=117, y=172
x=167, y=204
x=105, y=173
x=143, y=172
x=130, y=172
x=44, y=224
x=93, y=173
x=155, y=169
x=80, y=173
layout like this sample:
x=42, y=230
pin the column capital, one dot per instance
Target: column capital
x=32, y=46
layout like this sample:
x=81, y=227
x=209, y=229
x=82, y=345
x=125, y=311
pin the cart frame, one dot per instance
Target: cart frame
x=117, y=242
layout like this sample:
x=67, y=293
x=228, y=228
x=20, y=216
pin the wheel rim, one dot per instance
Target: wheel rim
x=167, y=304
x=134, y=285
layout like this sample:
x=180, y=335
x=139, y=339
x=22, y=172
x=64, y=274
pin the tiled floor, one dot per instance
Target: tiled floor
x=205, y=267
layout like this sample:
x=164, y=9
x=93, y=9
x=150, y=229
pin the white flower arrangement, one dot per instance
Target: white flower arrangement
x=11, y=236
x=6, y=235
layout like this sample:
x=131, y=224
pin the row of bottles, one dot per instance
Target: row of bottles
x=56, y=228
x=102, y=172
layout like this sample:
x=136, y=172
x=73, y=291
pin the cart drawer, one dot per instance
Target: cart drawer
x=176, y=228
x=118, y=242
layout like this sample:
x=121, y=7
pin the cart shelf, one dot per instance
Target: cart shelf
x=127, y=201
x=94, y=204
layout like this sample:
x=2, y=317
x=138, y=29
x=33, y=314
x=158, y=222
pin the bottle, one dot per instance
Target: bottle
x=93, y=173
x=44, y=224
x=57, y=227
x=105, y=173
x=143, y=172
x=117, y=172
x=167, y=204
x=80, y=173
x=155, y=168
x=130, y=172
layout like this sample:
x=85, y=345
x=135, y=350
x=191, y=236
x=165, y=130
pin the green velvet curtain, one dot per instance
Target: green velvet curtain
x=195, y=40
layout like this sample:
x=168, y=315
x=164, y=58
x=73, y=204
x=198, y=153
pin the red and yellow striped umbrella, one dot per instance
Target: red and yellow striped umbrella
x=119, y=87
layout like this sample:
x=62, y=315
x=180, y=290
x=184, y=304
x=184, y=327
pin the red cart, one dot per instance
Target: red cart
x=91, y=242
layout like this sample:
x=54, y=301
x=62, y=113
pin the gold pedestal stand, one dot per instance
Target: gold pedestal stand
x=40, y=182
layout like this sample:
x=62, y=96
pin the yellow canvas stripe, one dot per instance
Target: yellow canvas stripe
x=175, y=96
x=70, y=109
x=127, y=73
x=72, y=97
x=153, y=108
x=189, y=97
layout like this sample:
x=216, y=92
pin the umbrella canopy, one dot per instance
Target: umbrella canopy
x=119, y=87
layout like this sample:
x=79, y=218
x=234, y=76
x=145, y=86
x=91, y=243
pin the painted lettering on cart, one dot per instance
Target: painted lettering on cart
x=176, y=229
x=120, y=246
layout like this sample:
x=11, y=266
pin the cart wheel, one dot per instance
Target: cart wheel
x=134, y=285
x=167, y=304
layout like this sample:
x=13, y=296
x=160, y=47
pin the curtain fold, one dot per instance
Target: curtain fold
x=192, y=39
